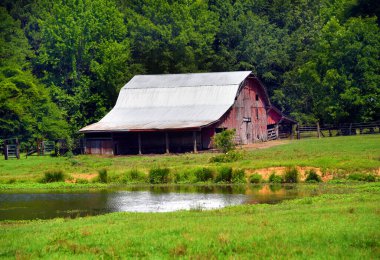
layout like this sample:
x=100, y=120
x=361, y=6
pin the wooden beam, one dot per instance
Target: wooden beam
x=167, y=142
x=139, y=140
x=195, y=141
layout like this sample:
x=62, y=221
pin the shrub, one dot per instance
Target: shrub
x=186, y=176
x=362, y=177
x=231, y=156
x=312, y=176
x=159, y=175
x=203, y=174
x=53, y=176
x=82, y=181
x=273, y=178
x=134, y=175
x=224, y=141
x=291, y=175
x=255, y=178
x=238, y=176
x=102, y=176
x=224, y=174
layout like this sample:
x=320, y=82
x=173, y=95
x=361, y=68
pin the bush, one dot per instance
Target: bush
x=203, y=174
x=224, y=174
x=255, y=178
x=273, y=178
x=238, y=176
x=231, y=156
x=291, y=175
x=102, y=176
x=362, y=177
x=312, y=176
x=159, y=175
x=134, y=175
x=224, y=141
x=53, y=176
x=82, y=181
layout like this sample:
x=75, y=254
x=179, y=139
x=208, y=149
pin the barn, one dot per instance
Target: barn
x=182, y=112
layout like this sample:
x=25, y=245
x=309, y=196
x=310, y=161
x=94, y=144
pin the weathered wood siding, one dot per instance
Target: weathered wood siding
x=250, y=104
x=99, y=146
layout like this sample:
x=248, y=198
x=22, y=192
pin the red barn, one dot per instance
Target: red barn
x=182, y=112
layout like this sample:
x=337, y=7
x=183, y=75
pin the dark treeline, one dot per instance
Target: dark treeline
x=63, y=62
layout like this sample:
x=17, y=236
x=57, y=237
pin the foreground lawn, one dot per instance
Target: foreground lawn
x=347, y=154
x=328, y=226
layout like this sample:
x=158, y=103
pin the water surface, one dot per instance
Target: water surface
x=17, y=206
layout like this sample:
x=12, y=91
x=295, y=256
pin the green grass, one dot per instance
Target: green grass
x=346, y=154
x=328, y=226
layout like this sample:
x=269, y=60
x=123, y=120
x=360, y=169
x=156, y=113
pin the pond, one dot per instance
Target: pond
x=21, y=206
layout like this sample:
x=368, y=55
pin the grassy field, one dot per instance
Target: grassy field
x=329, y=226
x=343, y=154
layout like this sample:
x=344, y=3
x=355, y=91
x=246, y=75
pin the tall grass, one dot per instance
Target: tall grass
x=53, y=176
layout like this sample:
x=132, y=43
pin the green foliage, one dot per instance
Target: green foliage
x=135, y=175
x=159, y=175
x=362, y=177
x=273, y=178
x=238, y=176
x=319, y=59
x=224, y=141
x=291, y=175
x=255, y=178
x=312, y=176
x=224, y=174
x=53, y=176
x=203, y=174
x=103, y=176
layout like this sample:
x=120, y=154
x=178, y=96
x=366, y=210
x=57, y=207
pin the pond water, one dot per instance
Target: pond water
x=18, y=206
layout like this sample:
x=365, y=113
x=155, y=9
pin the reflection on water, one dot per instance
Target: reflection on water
x=140, y=199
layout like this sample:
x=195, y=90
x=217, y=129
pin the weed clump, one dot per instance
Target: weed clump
x=82, y=181
x=312, y=176
x=159, y=175
x=134, y=176
x=53, y=176
x=255, y=178
x=203, y=174
x=291, y=175
x=103, y=176
x=224, y=174
x=361, y=177
x=238, y=176
x=273, y=178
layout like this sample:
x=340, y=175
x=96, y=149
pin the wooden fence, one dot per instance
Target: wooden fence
x=328, y=130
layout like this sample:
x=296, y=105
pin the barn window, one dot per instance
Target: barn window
x=257, y=113
x=257, y=97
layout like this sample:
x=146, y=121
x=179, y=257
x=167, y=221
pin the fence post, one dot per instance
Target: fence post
x=298, y=132
x=5, y=150
x=17, y=149
x=318, y=130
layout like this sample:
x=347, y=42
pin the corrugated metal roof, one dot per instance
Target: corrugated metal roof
x=171, y=101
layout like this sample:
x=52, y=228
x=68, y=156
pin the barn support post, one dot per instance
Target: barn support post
x=195, y=141
x=139, y=141
x=318, y=130
x=167, y=142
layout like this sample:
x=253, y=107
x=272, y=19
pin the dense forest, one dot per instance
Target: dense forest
x=64, y=61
